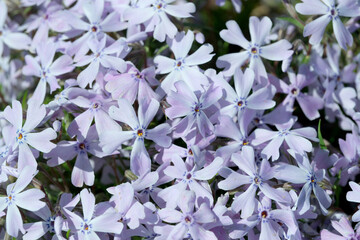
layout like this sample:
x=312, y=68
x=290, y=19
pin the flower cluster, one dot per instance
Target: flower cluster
x=179, y=119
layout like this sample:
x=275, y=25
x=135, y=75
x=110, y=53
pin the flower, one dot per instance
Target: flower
x=343, y=226
x=329, y=12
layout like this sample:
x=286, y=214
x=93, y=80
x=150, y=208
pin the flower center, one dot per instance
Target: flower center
x=140, y=132
x=190, y=152
x=178, y=64
x=95, y=105
x=254, y=50
x=245, y=142
x=313, y=179
x=240, y=103
x=188, y=176
x=294, y=91
x=20, y=136
x=264, y=214
x=86, y=227
x=257, y=120
x=257, y=180
x=46, y=17
x=159, y=6
x=82, y=146
x=1, y=33
x=94, y=29
x=188, y=219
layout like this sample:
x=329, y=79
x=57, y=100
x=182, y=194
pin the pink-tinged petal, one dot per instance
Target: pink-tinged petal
x=30, y=199
x=62, y=65
x=14, y=115
x=125, y=113
x=210, y=170
x=343, y=226
x=245, y=202
x=211, y=96
x=231, y=62
x=14, y=221
x=82, y=172
x=178, y=232
x=88, y=75
x=233, y=180
x=198, y=232
x=147, y=111
x=278, y=51
x=234, y=35
x=354, y=195
x=107, y=223
x=17, y=41
x=325, y=234
x=112, y=140
x=291, y=174
x=34, y=230
x=243, y=82
x=88, y=203
x=170, y=215
x=114, y=63
x=186, y=201
x=41, y=140
x=180, y=11
x=311, y=7
x=182, y=43
x=316, y=29
x=272, y=149
x=200, y=56
x=26, y=157
x=81, y=124
x=181, y=101
x=348, y=8
x=259, y=30
x=342, y=35
x=93, y=10
x=122, y=86
x=164, y=64
x=32, y=67
x=298, y=144
x=158, y=135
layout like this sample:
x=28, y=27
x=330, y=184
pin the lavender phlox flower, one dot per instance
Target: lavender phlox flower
x=330, y=12
x=296, y=139
x=96, y=27
x=83, y=172
x=354, y=196
x=133, y=84
x=16, y=197
x=101, y=56
x=184, y=66
x=309, y=104
x=22, y=133
x=194, y=179
x=237, y=4
x=9, y=36
x=188, y=220
x=48, y=70
x=96, y=219
x=256, y=178
x=241, y=100
x=254, y=50
x=184, y=102
x=274, y=223
x=343, y=226
x=50, y=224
x=112, y=139
x=310, y=177
x=154, y=15
x=129, y=211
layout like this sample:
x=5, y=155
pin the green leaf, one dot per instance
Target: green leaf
x=24, y=103
x=68, y=234
x=292, y=21
x=321, y=139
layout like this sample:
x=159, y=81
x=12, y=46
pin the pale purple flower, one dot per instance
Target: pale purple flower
x=343, y=226
x=330, y=12
x=17, y=198
x=237, y=4
x=184, y=102
x=194, y=179
x=254, y=50
x=354, y=196
x=256, y=178
x=187, y=220
x=23, y=134
x=184, y=67
x=96, y=220
x=111, y=140
x=8, y=36
x=296, y=139
x=310, y=177
x=154, y=15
